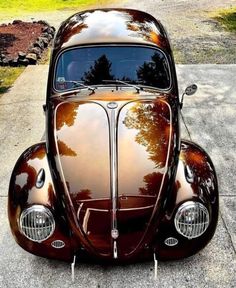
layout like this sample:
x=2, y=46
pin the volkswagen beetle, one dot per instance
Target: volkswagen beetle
x=113, y=180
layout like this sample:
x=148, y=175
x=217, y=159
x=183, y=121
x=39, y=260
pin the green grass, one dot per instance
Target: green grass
x=226, y=17
x=45, y=5
x=17, y=8
x=8, y=77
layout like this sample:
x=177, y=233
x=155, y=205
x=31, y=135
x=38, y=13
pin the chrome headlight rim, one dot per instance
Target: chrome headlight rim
x=37, y=209
x=195, y=206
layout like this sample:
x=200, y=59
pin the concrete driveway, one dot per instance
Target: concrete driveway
x=210, y=115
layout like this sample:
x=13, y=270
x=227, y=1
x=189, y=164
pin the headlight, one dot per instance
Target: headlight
x=37, y=223
x=192, y=219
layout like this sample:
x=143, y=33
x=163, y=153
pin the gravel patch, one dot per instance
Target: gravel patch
x=195, y=37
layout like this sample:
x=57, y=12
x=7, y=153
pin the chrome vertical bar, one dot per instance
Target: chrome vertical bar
x=113, y=144
x=112, y=112
x=115, y=250
x=155, y=266
x=73, y=269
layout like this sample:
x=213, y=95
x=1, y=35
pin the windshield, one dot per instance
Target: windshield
x=93, y=65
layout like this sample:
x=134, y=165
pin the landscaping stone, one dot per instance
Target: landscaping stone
x=13, y=62
x=44, y=22
x=32, y=58
x=37, y=35
x=45, y=41
x=21, y=55
x=23, y=62
x=36, y=50
x=15, y=22
x=5, y=62
x=39, y=44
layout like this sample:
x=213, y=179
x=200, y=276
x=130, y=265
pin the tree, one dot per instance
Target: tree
x=101, y=70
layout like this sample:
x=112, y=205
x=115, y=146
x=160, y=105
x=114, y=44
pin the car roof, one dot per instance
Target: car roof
x=110, y=26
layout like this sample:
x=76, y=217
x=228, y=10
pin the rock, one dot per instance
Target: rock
x=45, y=41
x=48, y=36
x=17, y=22
x=43, y=22
x=5, y=62
x=39, y=44
x=23, y=62
x=21, y=55
x=36, y=50
x=51, y=31
x=13, y=62
x=45, y=29
x=48, y=30
x=32, y=58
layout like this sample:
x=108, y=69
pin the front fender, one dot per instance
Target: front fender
x=195, y=181
x=23, y=193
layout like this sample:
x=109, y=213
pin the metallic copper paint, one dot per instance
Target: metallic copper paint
x=23, y=193
x=200, y=186
x=121, y=26
x=156, y=172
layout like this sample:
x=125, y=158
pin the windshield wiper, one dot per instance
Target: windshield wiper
x=76, y=84
x=123, y=82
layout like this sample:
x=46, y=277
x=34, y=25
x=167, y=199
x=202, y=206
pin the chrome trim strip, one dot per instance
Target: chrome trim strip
x=113, y=165
x=115, y=256
x=137, y=208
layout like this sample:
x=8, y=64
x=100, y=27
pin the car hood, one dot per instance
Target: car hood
x=115, y=161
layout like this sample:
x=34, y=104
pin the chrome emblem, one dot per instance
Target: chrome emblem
x=112, y=105
x=114, y=233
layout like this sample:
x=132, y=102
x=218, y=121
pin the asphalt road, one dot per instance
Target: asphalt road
x=210, y=116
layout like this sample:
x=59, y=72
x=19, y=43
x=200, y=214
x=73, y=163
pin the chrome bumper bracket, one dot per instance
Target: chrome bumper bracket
x=73, y=269
x=155, y=266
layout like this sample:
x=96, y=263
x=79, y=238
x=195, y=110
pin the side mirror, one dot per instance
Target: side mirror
x=190, y=90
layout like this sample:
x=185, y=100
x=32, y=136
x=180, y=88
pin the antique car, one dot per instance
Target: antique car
x=113, y=181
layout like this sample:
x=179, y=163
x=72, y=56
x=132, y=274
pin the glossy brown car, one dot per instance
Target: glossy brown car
x=113, y=180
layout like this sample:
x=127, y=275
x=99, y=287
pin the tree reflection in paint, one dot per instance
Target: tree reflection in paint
x=152, y=122
x=65, y=150
x=83, y=194
x=66, y=114
x=152, y=183
x=145, y=28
